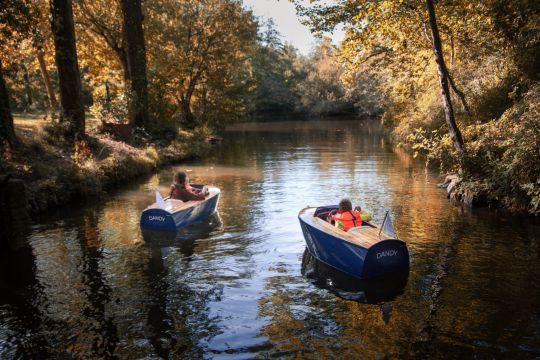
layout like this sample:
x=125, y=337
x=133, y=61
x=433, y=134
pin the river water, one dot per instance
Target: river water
x=86, y=283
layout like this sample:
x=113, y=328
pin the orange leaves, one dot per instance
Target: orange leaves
x=7, y=152
x=81, y=153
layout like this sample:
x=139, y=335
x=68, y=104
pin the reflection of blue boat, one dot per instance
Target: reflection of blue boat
x=369, y=291
x=171, y=214
x=363, y=252
x=185, y=236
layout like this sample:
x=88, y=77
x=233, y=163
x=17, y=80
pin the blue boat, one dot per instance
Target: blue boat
x=171, y=214
x=365, y=252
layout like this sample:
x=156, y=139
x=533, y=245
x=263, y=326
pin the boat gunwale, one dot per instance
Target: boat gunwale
x=192, y=203
x=338, y=233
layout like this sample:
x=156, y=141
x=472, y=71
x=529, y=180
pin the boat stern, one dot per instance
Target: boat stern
x=329, y=249
x=157, y=219
x=387, y=256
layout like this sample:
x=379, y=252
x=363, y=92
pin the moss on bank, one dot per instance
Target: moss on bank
x=56, y=174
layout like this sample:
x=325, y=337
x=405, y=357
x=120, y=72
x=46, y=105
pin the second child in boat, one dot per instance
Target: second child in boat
x=363, y=214
x=346, y=218
x=181, y=190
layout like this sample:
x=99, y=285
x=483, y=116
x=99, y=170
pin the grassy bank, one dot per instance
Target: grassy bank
x=56, y=173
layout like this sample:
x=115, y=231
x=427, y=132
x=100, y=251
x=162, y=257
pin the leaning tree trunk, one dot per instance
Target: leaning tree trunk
x=7, y=132
x=46, y=79
x=455, y=134
x=72, y=109
x=136, y=61
x=189, y=119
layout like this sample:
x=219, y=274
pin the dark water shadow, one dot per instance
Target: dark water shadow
x=19, y=335
x=372, y=291
x=168, y=333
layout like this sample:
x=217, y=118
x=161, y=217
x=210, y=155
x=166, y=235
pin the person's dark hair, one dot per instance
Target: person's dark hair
x=345, y=205
x=180, y=178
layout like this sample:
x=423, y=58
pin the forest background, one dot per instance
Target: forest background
x=208, y=63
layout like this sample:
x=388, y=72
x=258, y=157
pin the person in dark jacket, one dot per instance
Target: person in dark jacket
x=181, y=190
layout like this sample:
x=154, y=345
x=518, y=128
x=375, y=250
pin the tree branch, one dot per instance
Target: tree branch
x=375, y=53
x=459, y=93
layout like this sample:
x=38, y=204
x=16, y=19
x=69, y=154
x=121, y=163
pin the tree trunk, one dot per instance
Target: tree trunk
x=136, y=61
x=72, y=109
x=122, y=58
x=46, y=79
x=107, y=96
x=189, y=119
x=7, y=132
x=452, y=50
x=455, y=134
x=27, y=88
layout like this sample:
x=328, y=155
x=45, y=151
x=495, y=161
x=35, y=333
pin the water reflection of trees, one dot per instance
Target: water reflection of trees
x=453, y=299
x=97, y=289
x=465, y=278
x=104, y=292
x=486, y=289
x=155, y=303
x=305, y=320
x=73, y=294
x=19, y=317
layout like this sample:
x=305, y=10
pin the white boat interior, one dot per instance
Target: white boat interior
x=174, y=205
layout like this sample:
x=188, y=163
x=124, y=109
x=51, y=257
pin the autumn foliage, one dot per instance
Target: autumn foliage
x=212, y=62
x=492, y=54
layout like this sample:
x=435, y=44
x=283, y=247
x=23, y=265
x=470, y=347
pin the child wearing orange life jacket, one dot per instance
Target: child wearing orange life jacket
x=346, y=218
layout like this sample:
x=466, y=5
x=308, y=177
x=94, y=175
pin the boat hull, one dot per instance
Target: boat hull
x=160, y=219
x=369, y=291
x=386, y=256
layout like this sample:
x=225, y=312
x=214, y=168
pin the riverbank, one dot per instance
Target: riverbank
x=501, y=166
x=56, y=174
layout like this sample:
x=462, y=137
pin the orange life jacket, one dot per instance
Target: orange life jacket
x=347, y=220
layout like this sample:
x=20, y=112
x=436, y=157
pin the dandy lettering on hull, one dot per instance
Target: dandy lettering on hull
x=156, y=218
x=386, y=253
